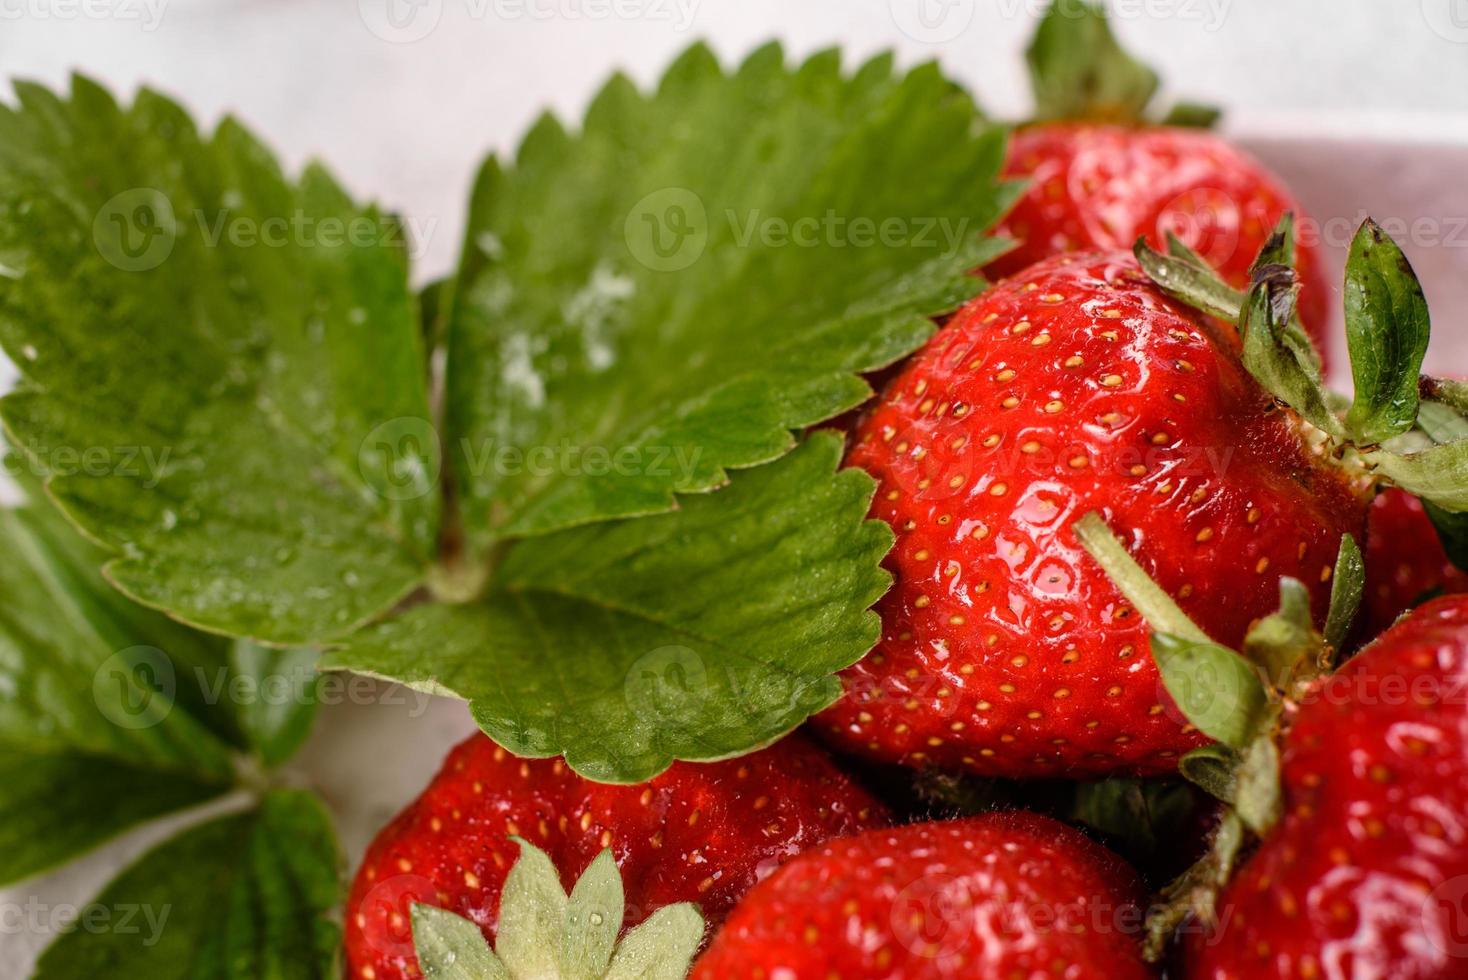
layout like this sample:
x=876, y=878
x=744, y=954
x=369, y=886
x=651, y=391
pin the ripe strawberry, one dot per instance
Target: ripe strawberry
x=1104, y=172
x=1366, y=872
x=991, y=897
x=700, y=833
x=1073, y=387
x=1100, y=187
x=1405, y=561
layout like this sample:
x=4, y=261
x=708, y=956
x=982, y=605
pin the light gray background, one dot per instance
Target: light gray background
x=406, y=123
x=1361, y=104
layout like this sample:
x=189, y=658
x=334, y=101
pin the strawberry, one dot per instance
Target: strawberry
x=1100, y=187
x=991, y=897
x=1075, y=386
x=1365, y=873
x=701, y=833
x=1405, y=561
x=1102, y=171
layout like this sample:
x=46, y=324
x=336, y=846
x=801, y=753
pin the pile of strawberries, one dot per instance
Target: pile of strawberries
x=1166, y=401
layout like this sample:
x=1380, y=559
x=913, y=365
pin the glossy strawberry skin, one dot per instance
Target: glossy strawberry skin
x=986, y=898
x=1100, y=187
x=1367, y=873
x=1405, y=561
x=702, y=833
x=1075, y=386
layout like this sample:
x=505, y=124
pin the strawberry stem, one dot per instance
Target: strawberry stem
x=1156, y=606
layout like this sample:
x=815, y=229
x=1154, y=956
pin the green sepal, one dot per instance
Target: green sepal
x=1277, y=353
x=662, y=948
x=1452, y=531
x=1216, y=689
x=1192, y=115
x=1387, y=327
x=1183, y=275
x=593, y=919
x=1155, y=605
x=532, y=915
x=1194, y=893
x=1285, y=642
x=1348, y=584
x=1180, y=249
x=1079, y=71
x=1440, y=421
x=1449, y=392
x=1213, y=769
x=452, y=948
x=1439, y=474
x=1138, y=816
x=544, y=935
x=1258, y=798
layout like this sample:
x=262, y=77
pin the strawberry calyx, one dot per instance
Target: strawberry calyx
x=1243, y=699
x=1401, y=428
x=1079, y=71
x=544, y=934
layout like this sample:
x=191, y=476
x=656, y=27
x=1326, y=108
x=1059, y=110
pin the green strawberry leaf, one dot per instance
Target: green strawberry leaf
x=86, y=670
x=667, y=294
x=275, y=695
x=246, y=895
x=98, y=727
x=1347, y=587
x=1079, y=71
x=222, y=368
x=698, y=634
x=1216, y=689
x=58, y=805
x=1387, y=327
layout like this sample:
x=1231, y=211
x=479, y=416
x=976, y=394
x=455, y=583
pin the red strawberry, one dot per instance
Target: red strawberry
x=989, y=898
x=1366, y=872
x=1100, y=187
x=1405, y=561
x=1073, y=387
x=702, y=833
